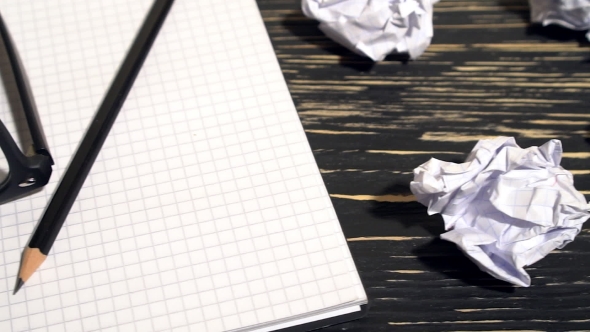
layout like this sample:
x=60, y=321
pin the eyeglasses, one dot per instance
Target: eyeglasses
x=26, y=172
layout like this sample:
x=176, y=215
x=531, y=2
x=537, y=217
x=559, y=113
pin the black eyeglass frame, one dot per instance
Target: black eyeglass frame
x=29, y=172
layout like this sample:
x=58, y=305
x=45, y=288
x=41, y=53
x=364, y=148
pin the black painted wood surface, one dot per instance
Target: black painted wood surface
x=487, y=73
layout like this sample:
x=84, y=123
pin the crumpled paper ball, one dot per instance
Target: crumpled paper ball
x=505, y=207
x=571, y=14
x=375, y=28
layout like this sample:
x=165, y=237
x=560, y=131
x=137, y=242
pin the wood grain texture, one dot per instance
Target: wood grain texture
x=488, y=72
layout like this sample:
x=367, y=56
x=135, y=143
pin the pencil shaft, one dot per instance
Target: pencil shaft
x=71, y=183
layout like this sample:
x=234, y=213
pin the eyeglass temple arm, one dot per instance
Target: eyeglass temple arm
x=26, y=97
x=26, y=173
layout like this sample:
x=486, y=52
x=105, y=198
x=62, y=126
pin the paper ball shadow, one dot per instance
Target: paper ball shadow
x=409, y=214
x=437, y=255
x=549, y=32
x=558, y=33
x=307, y=30
x=446, y=258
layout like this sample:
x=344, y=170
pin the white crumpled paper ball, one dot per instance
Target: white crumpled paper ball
x=375, y=28
x=505, y=207
x=572, y=14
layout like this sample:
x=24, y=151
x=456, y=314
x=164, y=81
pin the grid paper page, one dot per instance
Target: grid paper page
x=205, y=210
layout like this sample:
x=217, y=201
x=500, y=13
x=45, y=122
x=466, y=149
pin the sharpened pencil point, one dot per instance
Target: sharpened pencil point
x=19, y=284
x=31, y=260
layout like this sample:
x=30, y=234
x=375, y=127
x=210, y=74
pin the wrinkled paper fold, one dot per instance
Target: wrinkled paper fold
x=375, y=28
x=505, y=207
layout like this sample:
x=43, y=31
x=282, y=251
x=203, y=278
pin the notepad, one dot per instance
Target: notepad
x=204, y=211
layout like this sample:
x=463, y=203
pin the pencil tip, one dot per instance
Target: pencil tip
x=19, y=284
x=32, y=259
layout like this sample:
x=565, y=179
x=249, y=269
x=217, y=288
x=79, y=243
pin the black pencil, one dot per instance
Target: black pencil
x=69, y=187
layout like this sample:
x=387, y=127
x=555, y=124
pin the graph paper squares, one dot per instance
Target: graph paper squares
x=205, y=209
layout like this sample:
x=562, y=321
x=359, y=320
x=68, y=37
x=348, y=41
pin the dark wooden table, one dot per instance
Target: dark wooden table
x=487, y=73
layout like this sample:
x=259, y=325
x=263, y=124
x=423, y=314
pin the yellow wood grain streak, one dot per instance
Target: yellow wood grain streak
x=485, y=309
x=576, y=155
x=378, y=198
x=407, y=152
x=452, y=322
x=482, y=26
x=339, y=132
x=384, y=238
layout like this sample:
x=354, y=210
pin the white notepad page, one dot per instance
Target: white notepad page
x=205, y=210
